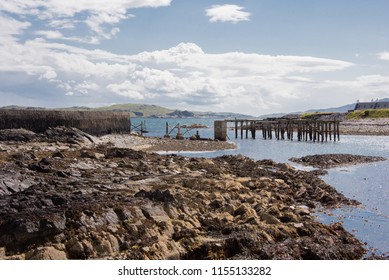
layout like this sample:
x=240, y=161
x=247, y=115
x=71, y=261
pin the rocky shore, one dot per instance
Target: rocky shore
x=67, y=195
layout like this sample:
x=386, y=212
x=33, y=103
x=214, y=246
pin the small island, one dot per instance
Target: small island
x=335, y=160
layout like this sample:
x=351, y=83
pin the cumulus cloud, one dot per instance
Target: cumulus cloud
x=127, y=89
x=183, y=76
x=227, y=13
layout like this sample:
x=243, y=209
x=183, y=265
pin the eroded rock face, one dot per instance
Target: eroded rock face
x=110, y=203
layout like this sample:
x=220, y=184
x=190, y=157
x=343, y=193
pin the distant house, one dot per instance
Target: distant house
x=371, y=105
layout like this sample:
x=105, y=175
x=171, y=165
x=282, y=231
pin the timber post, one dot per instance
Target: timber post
x=167, y=131
x=179, y=135
x=305, y=130
x=220, y=130
x=236, y=128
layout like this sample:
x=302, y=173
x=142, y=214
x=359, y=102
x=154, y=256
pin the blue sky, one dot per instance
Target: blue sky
x=255, y=57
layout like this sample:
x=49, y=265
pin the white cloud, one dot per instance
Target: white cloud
x=126, y=89
x=384, y=55
x=183, y=76
x=49, y=75
x=227, y=13
x=69, y=8
x=57, y=35
x=50, y=34
x=87, y=87
x=69, y=23
x=98, y=15
x=11, y=27
x=96, y=22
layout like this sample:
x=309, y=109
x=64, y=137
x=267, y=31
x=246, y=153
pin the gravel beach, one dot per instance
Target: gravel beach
x=154, y=144
x=365, y=127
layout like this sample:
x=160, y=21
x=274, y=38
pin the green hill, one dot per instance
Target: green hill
x=137, y=110
x=369, y=114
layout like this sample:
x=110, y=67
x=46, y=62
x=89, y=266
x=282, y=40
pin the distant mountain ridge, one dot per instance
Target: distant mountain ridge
x=341, y=109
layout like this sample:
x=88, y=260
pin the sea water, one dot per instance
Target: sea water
x=367, y=183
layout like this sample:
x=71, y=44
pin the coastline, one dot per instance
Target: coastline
x=155, y=144
x=81, y=197
x=373, y=127
x=379, y=127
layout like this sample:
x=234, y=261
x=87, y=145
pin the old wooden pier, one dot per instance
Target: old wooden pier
x=303, y=130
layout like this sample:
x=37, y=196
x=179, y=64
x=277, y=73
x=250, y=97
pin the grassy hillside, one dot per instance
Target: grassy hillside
x=137, y=110
x=369, y=114
x=316, y=115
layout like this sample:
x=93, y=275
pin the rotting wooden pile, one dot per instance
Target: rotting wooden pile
x=304, y=130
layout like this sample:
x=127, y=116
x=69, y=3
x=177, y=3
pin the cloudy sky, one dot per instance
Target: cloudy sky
x=254, y=56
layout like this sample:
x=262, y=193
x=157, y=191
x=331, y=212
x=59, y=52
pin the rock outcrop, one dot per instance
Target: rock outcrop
x=67, y=201
x=335, y=160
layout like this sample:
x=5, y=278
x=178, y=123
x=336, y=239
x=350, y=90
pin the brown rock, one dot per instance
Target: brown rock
x=103, y=247
x=268, y=218
x=2, y=253
x=46, y=253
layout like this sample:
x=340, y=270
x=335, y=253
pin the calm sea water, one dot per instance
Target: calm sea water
x=367, y=183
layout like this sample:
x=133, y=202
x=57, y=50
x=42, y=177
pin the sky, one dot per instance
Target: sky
x=253, y=57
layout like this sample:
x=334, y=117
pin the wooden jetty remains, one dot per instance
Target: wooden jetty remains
x=140, y=128
x=281, y=129
x=181, y=130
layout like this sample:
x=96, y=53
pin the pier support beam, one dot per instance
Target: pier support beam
x=236, y=129
x=220, y=129
x=304, y=130
x=241, y=129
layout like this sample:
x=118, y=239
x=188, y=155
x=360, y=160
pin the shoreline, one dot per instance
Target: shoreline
x=374, y=127
x=155, y=144
x=83, y=198
x=367, y=127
